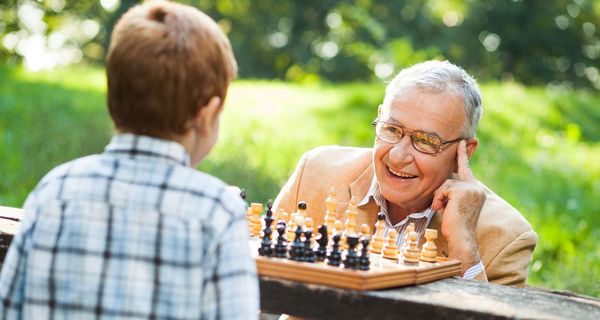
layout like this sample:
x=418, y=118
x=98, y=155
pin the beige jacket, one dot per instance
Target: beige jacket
x=505, y=239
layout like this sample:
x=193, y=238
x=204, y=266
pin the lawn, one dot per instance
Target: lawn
x=539, y=148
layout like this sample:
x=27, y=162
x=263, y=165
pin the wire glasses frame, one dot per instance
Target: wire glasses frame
x=425, y=142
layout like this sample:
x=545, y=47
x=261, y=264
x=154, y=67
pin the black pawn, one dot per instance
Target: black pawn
x=308, y=255
x=301, y=205
x=266, y=245
x=351, y=261
x=281, y=245
x=334, y=258
x=321, y=251
x=363, y=261
x=297, y=247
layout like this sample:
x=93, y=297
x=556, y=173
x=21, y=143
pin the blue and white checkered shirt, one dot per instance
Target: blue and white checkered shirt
x=132, y=233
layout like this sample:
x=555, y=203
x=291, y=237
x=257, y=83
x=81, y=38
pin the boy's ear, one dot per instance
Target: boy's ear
x=208, y=114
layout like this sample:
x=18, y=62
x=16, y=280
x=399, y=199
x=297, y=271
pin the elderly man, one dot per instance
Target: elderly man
x=418, y=172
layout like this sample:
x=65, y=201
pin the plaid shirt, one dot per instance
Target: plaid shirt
x=132, y=233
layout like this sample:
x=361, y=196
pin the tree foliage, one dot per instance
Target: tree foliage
x=533, y=41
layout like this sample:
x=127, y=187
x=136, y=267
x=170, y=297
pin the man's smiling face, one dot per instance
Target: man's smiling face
x=408, y=178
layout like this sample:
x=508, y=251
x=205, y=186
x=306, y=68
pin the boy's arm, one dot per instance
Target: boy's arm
x=237, y=281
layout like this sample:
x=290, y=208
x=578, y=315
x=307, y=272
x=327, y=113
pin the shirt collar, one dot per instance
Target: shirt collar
x=375, y=194
x=146, y=147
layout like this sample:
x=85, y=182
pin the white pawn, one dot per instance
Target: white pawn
x=390, y=251
x=429, y=251
x=411, y=252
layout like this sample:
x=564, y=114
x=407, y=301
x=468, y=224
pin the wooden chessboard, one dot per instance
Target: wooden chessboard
x=383, y=273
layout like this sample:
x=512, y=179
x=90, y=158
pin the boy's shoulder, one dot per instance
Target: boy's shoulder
x=204, y=185
x=73, y=167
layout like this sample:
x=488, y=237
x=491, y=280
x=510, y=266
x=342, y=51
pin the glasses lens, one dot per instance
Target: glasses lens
x=426, y=142
x=388, y=133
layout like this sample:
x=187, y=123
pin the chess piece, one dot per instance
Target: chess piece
x=291, y=230
x=338, y=230
x=283, y=216
x=266, y=248
x=331, y=204
x=297, y=248
x=249, y=220
x=308, y=255
x=302, y=208
x=429, y=251
x=363, y=260
x=256, y=224
x=334, y=257
x=351, y=214
x=280, y=250
x=390, y=250
x=378, y=237
x=411, y=251
x=410, y=228
x=365, y=231
x=351, y=260
x=321, y=251
x=308, y=223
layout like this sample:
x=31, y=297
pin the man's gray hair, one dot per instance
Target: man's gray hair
x=442, y=77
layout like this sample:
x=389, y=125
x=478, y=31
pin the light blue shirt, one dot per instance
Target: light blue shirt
x=134, y=232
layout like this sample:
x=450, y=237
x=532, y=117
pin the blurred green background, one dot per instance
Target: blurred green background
x=313, y=72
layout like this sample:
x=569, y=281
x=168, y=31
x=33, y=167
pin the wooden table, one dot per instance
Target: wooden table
x=451, y=298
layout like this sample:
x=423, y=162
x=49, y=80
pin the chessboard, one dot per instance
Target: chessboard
x=383, y=273
x=342, y=258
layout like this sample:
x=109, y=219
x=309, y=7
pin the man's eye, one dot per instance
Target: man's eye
x=392, y=130
x=426, y=139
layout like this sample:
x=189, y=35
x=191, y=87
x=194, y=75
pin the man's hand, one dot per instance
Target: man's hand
x=460, y=202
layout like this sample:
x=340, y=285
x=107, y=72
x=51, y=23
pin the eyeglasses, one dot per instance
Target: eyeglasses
x=425, y=142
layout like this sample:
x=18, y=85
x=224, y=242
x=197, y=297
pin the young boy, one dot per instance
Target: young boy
x=137, y=232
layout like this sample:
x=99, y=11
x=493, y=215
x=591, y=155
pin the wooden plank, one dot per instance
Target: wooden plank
x=450, y=298
x=9, y=219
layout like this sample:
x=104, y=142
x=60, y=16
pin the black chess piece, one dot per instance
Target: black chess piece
x=297, y=248
x=321, y=251
x=301, y=205
x=280, y=250
x=334, y=258
x=308, y=254
x=266, y=245
x=363, y=261
x=351, y=261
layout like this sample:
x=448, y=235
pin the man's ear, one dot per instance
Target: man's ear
x=208, y=114
x=472, y=146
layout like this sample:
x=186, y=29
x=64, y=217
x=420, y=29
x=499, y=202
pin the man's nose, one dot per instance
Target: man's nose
x=402, y=152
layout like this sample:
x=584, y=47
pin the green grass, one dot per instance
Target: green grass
x=539, y=148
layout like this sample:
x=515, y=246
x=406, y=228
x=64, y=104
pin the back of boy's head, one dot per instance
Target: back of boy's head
x=165, y=61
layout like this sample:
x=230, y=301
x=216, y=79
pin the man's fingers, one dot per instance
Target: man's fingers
x=440, y=196
x=462, y=159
